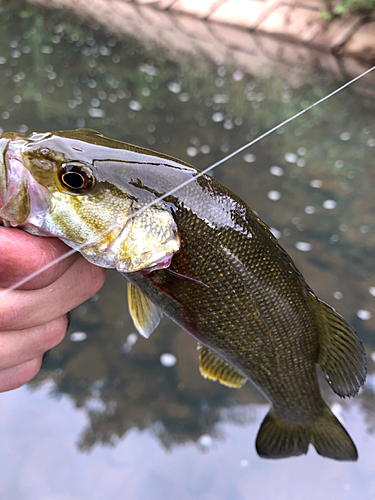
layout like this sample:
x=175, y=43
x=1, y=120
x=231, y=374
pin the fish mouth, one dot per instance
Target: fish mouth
x=3, y=144
x=21, y=197
x=12, y=181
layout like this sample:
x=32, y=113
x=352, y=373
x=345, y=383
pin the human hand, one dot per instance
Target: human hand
x=33, y=317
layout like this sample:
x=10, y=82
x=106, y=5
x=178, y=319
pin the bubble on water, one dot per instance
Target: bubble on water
x=217, y=117
x=338, y=295
x=339, y=164
x=116, y=58
x=221, y=98
x=372, y=290
x=303, y=246
x=3, y=60
x=329, y=204
x=184, y=97
x=237, y=75
x=345, y=136
x=249, y=158
x=291, y=157
x=205, y=149
x=135, y=105
x=316, y=183
x=174, y=87
x=151, y=128
x=228, y=124
x=191, y=151
x=131, y=339
x=301, y=162
x=95, y=103
x=205, y=440
x=15, y=54
x=364, y=229
x=149, y=69
x=364, y=314
x=334, y=238
x=219, y=82
x=78, y=336
x=371, y=143
x=274, y=195
x=23, y=128
x=96, y=113
x=366, y=130
x=277, y=171
x=275, y=232
x=121, y=94
x=168, y=359
x=5, y=115
x=301, y=151
x=46, y=49
x=343, y=227
x=17, y=99
x=309, y=209
x=146, y=91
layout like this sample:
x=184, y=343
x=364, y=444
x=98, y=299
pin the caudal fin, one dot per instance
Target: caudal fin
x=280, y=439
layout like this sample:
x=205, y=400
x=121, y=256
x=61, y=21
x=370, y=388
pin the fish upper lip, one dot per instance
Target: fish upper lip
x=11, y=172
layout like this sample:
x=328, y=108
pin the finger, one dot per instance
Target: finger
x=22, y=254
x=21, y=309
x=14, y=377
x=24, y=345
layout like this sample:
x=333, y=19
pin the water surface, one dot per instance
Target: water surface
x=113, y=415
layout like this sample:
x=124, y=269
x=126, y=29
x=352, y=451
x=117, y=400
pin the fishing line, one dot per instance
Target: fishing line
x=249, y=144
x=180, y=186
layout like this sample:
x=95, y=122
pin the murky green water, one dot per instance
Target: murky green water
x=113, y=415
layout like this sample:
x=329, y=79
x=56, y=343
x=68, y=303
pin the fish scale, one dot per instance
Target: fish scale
x=204, y=259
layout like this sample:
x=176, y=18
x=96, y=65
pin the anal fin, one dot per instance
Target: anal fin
x=342, y=357
x=145, y=314
x=214, y=367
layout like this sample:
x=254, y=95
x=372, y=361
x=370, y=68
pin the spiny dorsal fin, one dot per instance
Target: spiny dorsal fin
x=342, y=357
x=145, y=314
x=214, y=367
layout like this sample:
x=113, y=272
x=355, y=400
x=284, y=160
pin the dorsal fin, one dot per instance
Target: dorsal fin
x=145, y=314
x=214, y=367
x=342, y=357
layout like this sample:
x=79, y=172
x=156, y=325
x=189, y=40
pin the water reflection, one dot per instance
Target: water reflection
x=313, y=183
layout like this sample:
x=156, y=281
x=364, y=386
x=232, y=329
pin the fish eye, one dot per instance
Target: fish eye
x=76, y=177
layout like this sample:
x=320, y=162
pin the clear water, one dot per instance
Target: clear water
x=113, y=415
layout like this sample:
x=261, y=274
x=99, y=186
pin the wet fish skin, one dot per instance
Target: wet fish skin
x=223, y=277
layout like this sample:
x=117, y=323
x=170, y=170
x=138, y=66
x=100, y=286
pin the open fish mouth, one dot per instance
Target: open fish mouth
x=21, y=196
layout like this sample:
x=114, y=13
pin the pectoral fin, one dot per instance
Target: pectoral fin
x=342, y=357
x=145, y=314
x=214, y=367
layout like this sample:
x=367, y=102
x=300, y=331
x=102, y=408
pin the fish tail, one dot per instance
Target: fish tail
x=278, y=438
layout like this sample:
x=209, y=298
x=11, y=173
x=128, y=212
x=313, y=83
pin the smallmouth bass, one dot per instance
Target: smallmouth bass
x=204, y=259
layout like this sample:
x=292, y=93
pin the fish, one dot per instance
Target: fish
x=202, y=257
